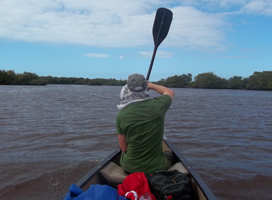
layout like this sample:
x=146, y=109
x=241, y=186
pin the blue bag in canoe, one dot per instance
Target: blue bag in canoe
x=95, y=192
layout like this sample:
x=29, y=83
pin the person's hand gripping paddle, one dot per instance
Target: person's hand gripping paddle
x=161, y=28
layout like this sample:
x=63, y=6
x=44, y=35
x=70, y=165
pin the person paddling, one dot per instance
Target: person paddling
x=140, y=125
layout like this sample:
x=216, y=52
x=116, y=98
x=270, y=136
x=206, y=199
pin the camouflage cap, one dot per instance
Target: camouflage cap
x=136, y=83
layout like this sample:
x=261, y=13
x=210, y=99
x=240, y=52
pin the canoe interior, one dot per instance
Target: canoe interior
x=200, y=190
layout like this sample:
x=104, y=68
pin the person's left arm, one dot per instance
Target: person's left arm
x=122, y=142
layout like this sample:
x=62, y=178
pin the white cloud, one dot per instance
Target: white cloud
x=261, y=7
x=97, y=55
x=119, y=23
x=236, y=57
x=229, y=3
x=103, y=23
x=145, y=54
x=121, y=57
x=192, y=28
x=159, y=54
x=213, y=4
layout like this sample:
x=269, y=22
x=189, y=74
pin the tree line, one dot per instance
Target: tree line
x=11, y=78
x=257, y=81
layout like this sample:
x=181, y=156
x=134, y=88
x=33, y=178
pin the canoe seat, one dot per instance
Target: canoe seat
x=113, y=173
x=179, y=166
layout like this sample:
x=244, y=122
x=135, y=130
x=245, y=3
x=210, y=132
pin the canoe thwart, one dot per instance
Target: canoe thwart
x=113, y=173
x=179, y=166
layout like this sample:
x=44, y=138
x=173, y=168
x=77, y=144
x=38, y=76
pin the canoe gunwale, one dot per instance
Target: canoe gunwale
x=87, y=177
x=84, y=180
x=202, y=185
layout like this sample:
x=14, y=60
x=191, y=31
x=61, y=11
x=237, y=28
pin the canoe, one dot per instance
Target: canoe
x=109, y=172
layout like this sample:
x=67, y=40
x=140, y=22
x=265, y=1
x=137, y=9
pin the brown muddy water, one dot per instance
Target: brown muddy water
x=50, y=136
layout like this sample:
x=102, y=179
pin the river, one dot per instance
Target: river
x=50, y=136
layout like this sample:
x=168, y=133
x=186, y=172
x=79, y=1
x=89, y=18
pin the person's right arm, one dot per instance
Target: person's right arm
x=122, y=143
x=161, y=89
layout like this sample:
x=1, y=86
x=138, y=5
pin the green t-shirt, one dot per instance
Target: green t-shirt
x=143, y=125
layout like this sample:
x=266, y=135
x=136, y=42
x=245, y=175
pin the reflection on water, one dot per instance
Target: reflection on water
x=51, y=135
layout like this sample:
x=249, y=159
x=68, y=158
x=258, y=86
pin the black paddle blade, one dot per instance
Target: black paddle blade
x=161, y=25
x=161, y=28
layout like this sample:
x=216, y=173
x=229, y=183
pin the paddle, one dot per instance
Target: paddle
x=161, y=27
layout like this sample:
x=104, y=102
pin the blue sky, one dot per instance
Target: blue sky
x=112, y=39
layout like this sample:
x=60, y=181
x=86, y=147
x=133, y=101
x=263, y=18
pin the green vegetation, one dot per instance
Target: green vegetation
x=176, y=81
x=27, y=78
x=257, y=81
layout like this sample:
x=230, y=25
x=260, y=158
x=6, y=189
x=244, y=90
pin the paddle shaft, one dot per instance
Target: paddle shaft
x=151, y=63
